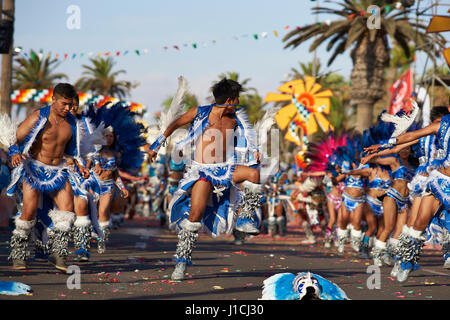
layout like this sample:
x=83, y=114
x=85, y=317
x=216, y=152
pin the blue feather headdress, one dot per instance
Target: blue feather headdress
x=345, y=156
x=128, y=132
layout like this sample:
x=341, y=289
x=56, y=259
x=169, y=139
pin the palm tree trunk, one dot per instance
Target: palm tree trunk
x=369, y=62
x=364, y=116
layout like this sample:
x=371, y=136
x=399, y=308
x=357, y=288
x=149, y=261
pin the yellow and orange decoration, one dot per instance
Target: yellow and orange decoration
x=305, y=112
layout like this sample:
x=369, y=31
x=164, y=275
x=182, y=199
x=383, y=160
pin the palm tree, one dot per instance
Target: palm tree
x=35, y=72
x=371, y=52
x=100, y=79
x=190, y=101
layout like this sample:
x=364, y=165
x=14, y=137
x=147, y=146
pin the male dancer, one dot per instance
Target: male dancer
x=41, y=141
x=206, y=193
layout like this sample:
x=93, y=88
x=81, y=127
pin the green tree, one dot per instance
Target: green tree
x=190, y=101
x=100, y=79
x=370, y=51
x=33, y=71
x=36, y=72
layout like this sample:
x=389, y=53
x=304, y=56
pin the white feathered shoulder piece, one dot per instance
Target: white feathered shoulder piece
x=176, y=109
x=92, y=141
x=8, y=131
x=402, y=123
x=92, y=138
x=262, y=126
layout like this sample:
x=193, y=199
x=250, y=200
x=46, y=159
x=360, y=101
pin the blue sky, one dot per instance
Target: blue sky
x=112, y=25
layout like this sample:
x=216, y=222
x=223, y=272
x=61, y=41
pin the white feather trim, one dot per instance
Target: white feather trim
x=62, y=220
x=8, y=131
x=402, y=124
x=190, y=226
x=82, y=221
x=308, y=186
x=23, y=227
x=40, y=124
x=176, y=107
x=263, y=126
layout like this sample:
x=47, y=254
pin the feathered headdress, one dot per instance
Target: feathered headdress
x=281, y=286
x=321, y=152
x=389, y=126
x=262, y=127
x=176, y=107
x=401, y=120
x=127, y=130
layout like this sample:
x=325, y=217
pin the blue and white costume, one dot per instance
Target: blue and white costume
x=402, y=173
x=303, y=286
x=218, y=218
x=375, y=203
x=438, y=183
x=40, y=176
x=351, y=203
x=47, y=179
x=275, y=192
x=425, y=152
x=219, y=215
x=127, y=142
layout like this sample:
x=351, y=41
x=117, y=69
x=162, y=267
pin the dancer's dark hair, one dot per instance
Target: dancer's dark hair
x=65, y=90
x=438, y=112
x=224, y=89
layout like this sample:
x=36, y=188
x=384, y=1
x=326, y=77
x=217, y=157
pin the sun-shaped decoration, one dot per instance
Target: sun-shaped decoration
x=305, y=112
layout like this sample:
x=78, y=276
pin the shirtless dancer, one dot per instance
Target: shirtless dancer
x=41, y=141
x=207, y=193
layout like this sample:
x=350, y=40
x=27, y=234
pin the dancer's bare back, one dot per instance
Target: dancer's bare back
x=212, y=146
x=217, y=138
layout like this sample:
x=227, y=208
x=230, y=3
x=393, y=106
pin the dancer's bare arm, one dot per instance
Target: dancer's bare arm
x=181, y=121
x=387, y=161
x=314, y=174
x=410, y=136
x=387, y=152
x=361, y=172
x=22, y=131
x=186, y=118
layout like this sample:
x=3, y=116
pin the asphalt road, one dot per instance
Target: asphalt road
x=138, y=263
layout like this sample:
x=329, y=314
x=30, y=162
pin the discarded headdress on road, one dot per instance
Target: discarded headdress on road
x=303, y=286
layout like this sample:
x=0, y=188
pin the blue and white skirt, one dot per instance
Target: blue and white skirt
x=107, y=186
x=40, y=176
x=376, y=205
x=81, y=186
x=351, y=203
x=219, y=216
x=401, y=201
x=439, y=185
x=417, y=186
